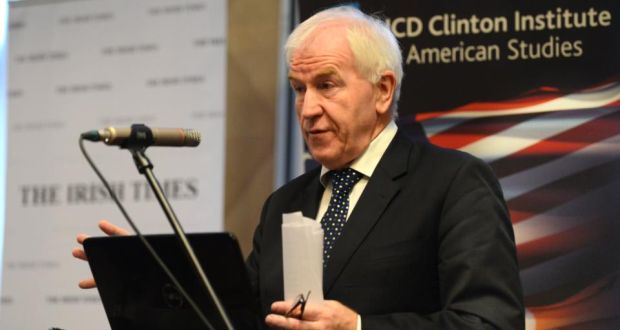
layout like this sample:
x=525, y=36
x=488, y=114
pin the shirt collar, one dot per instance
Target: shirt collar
x=368, y=161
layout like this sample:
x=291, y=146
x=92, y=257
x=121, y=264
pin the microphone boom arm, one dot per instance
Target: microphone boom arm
x=145, y=167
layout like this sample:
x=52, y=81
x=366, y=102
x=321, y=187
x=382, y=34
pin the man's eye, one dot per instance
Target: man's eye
x=326, y=85
x=299, y=89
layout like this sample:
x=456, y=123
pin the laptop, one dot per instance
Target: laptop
x=137, y=294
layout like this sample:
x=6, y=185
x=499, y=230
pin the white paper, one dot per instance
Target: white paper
x=302, y=257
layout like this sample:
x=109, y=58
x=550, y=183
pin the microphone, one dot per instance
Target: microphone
x=139, y=135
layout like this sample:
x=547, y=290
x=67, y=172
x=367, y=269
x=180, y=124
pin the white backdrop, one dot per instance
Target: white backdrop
x=81, y=65
x=4, y=18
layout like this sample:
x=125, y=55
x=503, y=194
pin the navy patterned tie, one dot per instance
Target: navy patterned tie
x=335, y=217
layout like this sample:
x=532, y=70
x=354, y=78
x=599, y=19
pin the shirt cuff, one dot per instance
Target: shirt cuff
x=359, y=322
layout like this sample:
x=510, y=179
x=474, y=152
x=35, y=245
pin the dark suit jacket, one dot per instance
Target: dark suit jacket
x=429, y=244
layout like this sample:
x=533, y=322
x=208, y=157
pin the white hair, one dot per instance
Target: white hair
x=374, y=47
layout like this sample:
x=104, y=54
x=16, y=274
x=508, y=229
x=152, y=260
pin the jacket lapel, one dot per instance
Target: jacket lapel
x=311, y=197
x=380, y=190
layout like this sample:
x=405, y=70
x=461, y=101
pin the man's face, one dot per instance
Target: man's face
x=336, y=107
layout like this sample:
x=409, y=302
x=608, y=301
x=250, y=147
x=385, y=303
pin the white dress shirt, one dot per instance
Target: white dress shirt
x=365, y=164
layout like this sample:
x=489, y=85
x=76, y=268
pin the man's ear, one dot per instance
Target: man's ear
x=385, y=89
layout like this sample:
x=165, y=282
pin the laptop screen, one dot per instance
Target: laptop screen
x=137, y=293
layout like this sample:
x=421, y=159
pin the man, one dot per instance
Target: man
x=423, y=240
x=427, y=243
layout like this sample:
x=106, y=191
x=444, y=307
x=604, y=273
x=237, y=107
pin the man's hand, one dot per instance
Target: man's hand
x=329, y=314
x=78, y=252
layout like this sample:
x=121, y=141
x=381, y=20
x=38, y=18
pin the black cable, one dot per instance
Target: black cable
x=143, y=239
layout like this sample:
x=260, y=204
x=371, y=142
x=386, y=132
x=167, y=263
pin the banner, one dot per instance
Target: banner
x=533, y=88
x=81, y=65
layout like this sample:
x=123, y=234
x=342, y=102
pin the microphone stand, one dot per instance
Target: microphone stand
x=144, y=166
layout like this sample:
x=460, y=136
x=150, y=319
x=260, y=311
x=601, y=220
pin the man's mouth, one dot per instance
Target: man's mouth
x=317, y=131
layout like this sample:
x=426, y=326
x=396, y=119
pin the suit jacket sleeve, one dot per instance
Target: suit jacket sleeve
x=479, y=286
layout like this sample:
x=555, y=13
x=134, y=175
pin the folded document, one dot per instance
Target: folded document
x=302, y=257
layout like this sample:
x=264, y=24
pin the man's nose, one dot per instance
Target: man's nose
x=311, y=106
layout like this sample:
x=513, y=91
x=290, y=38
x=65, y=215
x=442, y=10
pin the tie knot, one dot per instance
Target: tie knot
x=344, y=180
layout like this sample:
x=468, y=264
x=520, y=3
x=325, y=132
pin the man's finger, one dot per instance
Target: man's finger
x=87, y=284
x=281, y=322
x=81, y=238
x=112, y=229
x=311, y=311
x=281, y=307
x=79, y=253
